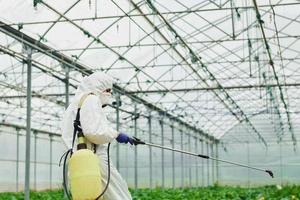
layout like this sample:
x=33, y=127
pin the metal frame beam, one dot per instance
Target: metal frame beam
x=86, y=71
x=28, y=125
x=271, y=62
x=239, y=114
x=151, y=14
x=18, y=127
x=257, y=86
x=216, y=88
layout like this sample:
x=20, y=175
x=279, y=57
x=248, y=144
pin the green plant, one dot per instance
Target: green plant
x=215, y=192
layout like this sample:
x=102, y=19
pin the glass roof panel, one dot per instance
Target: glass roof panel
x=204, y=61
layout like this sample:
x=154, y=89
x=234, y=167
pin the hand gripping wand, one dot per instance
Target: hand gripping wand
x=137, y=141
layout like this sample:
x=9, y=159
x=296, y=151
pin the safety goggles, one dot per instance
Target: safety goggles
x=109, y=90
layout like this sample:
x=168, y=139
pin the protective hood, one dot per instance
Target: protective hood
x=96, y=83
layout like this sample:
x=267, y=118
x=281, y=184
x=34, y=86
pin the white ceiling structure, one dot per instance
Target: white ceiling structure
x=215, y=65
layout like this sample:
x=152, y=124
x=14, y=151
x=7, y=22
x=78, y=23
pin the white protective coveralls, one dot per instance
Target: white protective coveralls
x=96, y=129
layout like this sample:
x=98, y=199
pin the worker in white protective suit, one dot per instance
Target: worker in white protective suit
x=97, y=129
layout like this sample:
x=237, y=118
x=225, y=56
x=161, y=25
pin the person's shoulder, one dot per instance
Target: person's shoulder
x=91, y=102
x=92, y=98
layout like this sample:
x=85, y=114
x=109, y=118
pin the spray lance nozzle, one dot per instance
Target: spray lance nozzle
x=270, y=173
x=137, y=141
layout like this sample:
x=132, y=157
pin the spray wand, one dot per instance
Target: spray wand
x=137, y=141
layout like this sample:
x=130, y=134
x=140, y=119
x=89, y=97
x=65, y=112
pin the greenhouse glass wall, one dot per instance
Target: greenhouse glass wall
x=216, y=78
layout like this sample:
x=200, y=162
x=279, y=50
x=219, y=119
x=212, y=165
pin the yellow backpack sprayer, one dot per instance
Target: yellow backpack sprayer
x=83, y=166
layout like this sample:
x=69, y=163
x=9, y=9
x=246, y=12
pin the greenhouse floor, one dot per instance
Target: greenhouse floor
x=214, y=192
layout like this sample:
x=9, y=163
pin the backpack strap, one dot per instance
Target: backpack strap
x=81, y=141
x=82, y=99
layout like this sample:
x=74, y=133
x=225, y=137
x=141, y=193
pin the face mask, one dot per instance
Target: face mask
x=105, y=98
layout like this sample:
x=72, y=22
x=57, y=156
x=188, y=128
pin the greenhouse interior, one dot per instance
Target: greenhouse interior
x=205, y=93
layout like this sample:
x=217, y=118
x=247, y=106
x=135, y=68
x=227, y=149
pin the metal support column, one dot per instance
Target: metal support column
x=67, y=91
x=135, y=149
x=207, y=161
x=150, y=151
x=217, y=163
x=50, y=159
x=232, y=20
x=173, y=156
x=118, y=129
x=17, y=161
x=162, y=154
x=197, y=161
x=182, y=166
x=35, y=155
x=281, y=167
x=202, y=163
x=28, y=126
x=67, y=84
x=248, y=162
x=190, y=160
x=212, y=163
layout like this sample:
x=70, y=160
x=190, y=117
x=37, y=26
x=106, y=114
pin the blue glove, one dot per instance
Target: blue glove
x=124, y=138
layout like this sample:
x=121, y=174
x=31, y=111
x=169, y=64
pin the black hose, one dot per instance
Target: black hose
x=108, y=175
x=64, y=173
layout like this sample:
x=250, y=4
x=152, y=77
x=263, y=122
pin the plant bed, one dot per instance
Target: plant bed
x=206, y=193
